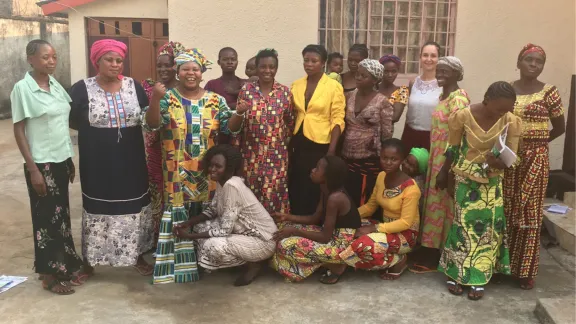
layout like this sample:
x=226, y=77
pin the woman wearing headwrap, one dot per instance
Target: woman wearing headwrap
x=189, y=120
x=416, y=165
x=398, y=96
x=116, y=221
x=438, y=210
x=384, y=245
x=266, y=133
x=476, y=245
x=319, y=106
x=167, y=74
x=537, y=104
x=368, y=123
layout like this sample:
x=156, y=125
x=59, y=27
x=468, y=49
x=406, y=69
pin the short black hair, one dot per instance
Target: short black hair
x=336, y=172
x=34, y=45
x=333, y=56
x=318, y=49
x=500, y=89
x=397, y=144
x=428, y=43
x=227, y=49
x=359, y=48
x=232, y=156
x=266, y=53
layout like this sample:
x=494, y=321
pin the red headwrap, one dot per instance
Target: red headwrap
x=103, y=46
x=531, y=48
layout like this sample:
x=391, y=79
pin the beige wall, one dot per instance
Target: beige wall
x=26, y=8
x=490, y=33
x=154, y=9
x=247, y=26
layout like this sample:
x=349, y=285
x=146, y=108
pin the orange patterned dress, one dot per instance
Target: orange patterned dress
x=525, y=184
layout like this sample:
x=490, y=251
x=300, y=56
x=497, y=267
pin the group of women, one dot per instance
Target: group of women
x=307, y=177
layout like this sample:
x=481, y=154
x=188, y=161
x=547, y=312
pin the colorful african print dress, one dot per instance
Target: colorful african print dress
x=438, y=210
x=400, y=95
x=525, y=184
x=268, y=126
x=154, y=163
x=396, y=236
x=476, y=246
x=188, y=129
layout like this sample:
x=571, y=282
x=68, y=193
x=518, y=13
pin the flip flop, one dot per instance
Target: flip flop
x=419, y=269
x=476, y=290
x=55, y=283
x=79, y=279
x=387, y=275
x=452, y=283
x=331, y=278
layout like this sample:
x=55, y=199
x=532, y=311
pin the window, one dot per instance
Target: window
x=397, y=27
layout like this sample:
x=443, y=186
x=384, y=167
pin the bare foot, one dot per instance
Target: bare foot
x=52, y=284
x=333, y=274
x=252, y=270
x=396, y=271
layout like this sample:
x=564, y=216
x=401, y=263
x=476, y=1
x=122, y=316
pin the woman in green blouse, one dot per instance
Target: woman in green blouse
x=40, y=109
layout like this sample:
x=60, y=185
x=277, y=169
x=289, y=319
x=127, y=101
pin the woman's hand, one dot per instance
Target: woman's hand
x=72, y=172
x=181, y=232
x=494, y=162
x=281, y=217
x=442, y=179
x=38, y=182
x=182, y=226
x=364, y=230
x=451, y=188
x=158, y=92
x=242, y=107
x=284, y=233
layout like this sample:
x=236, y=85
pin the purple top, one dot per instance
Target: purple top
x=217, y=86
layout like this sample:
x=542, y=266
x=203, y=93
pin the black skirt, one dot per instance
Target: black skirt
x=54, y=252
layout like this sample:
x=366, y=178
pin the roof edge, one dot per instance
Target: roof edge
x=51, y=7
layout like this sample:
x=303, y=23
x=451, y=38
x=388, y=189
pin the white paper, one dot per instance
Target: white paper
x=14, y=281
x=506, y=154
x=558, y=209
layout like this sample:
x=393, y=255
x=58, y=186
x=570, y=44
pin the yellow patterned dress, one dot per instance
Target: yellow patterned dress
x=188, y=129
x=400, y=95
x=525, y=184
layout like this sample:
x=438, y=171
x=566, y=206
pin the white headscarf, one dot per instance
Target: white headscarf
x=374, y=67
x=454, y=63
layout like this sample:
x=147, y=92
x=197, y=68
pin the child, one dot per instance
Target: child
x=416, y=164
x=251, y=69
x=335, y=66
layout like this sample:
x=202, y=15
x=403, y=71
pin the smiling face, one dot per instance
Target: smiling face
x=44, y=60
x=190, y=75
x=313, y=63
x=217, y=168
x=364, y=80
x=531, y=65
x=445, y=75
x=267, y=68
x=390, y=72
x=165, y=69
x=111, y=65
x=390, y=159
x=429, y=58
x=228, y=61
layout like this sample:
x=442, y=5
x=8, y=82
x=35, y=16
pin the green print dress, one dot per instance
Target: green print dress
x=476, y=244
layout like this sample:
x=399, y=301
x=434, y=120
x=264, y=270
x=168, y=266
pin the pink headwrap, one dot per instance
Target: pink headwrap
x=103, y=46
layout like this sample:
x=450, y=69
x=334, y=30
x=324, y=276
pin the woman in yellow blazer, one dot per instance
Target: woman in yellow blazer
x=319, y=105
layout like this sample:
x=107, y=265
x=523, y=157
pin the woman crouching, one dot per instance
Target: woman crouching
x=302, y=249
x=235, y=228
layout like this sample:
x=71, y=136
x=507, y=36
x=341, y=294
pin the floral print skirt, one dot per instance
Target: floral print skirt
x=476, y=246
x=54, y=251
x=297, y=258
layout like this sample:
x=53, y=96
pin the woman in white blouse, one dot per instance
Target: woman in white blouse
x=424, y=97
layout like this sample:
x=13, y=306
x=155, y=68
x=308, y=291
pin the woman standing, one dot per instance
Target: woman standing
x=369, y=122
x=356, y=54
x=398, y=96
x=167, y=74
x=228, y=85
x=189, y=119
x=319, y=106
x=476, y=245
x=117, y=227
x=267, y=129
x=438, y=203
x=525, y=184
x=424, y=94
x=40, y=108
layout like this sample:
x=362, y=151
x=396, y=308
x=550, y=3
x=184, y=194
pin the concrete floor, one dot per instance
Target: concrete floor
x=121, y=295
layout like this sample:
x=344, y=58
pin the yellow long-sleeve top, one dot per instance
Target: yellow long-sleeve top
x=399, y=205
x=326, y=109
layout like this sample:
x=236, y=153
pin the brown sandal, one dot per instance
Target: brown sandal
x=57, y=287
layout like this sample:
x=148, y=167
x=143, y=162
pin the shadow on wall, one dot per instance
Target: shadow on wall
x=15, y=35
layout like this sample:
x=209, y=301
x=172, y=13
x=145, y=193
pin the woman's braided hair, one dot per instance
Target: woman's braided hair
x=500, y=89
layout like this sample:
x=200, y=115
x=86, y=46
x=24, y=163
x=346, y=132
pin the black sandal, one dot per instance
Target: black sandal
x=57, y=283
x=331, y=278
x=454, y=288
x=476, y=293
